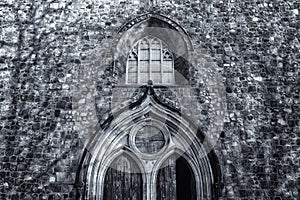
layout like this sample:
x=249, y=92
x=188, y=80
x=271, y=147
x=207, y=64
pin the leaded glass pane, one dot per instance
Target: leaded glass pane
x=132, y=66
x=150, y=140
x=144, y=54
x=144, y=77
x=155, y=66
x=155, y=54
x=132, y=77
x=156, y=77
x=144, y=66
x=167, y=78
x=155, y=44
x=167, y=66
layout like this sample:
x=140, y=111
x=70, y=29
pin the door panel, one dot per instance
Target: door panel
x=123, y=180
x=176, y=180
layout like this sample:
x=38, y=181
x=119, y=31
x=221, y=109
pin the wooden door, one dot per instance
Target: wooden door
x=176, y=180
x=123, y=180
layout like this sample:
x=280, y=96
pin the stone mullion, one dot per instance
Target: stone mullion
x=161, y=62
x=150, y=59
x=148, y=189
x=139, y=63
x=127, y=71
x=173, y=70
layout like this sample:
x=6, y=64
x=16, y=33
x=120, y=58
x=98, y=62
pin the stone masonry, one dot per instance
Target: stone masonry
x=46, y=45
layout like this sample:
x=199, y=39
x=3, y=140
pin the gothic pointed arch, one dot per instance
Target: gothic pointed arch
x=160, y=27
x=173, y=133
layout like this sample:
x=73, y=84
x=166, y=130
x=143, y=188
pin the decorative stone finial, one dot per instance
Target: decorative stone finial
x=150, y=83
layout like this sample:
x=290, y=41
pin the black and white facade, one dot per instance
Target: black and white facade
x=149, y=99
x=150, y=148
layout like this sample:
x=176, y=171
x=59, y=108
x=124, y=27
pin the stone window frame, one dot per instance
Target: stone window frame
x=135, y=59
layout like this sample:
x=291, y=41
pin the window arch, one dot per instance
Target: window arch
x=150, y=59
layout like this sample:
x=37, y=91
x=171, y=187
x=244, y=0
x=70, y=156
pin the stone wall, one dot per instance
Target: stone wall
x=46, y=45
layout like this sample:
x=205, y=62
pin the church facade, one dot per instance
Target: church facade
x=113, y=100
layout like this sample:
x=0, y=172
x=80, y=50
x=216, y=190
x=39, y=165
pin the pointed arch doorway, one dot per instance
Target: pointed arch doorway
x=176, y=180
x=123, y=180
x=142, y=158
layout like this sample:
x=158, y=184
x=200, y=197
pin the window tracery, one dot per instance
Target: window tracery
x=150, y=59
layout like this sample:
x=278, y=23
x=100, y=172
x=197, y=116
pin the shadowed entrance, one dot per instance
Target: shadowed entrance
x=176, y=180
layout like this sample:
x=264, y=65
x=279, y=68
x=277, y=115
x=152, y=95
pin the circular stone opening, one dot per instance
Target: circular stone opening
x=149, y=139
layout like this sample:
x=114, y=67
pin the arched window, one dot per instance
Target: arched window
x=150, y=59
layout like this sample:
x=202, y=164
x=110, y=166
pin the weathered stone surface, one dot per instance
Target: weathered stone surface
x=44, y=47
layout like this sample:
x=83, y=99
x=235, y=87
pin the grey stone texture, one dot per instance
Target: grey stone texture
x=46, y=45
